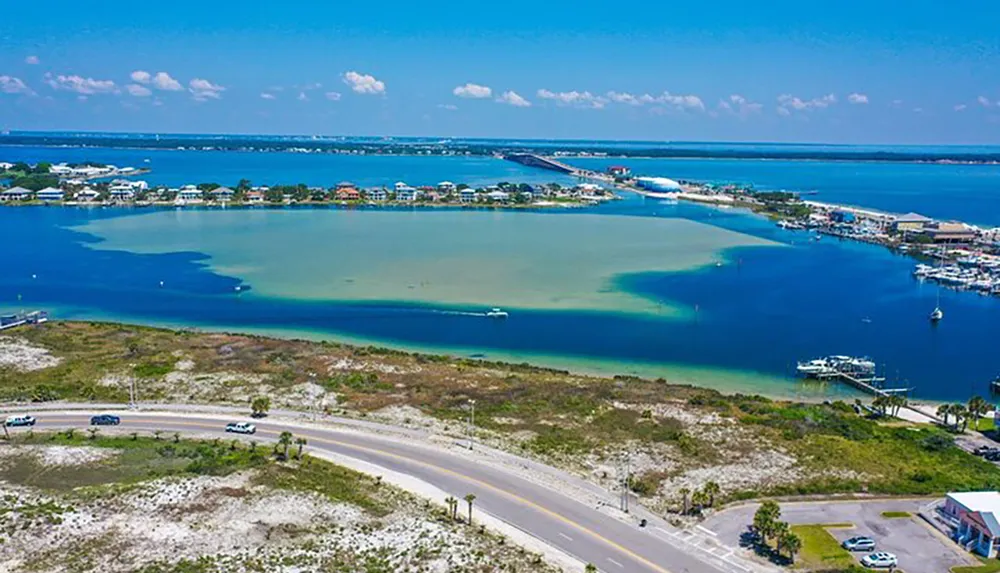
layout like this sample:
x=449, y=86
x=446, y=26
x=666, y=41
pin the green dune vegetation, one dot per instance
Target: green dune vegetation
x=691, y=447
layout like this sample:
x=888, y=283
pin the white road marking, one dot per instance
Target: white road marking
x=616, y=563
x=566, y=536
x=708, y=531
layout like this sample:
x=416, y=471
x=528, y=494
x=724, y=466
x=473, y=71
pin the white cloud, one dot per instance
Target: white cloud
x=897, y=102
x=32, y=60
x=302, y=97
x=857, y=98
x=682, y=102
x=471, y=90
x=140, y=77
x=984, y=101
x=788, y=103
x=163, y=81
x=574, y=98
x=12, y=85
x=623, y=97
x=266, y=95
x=138, y=91
x=80, y=84
x=203, y=90
x=960, y=107
x=364, y=83
x=447, y=106
x=332, y=96
x=512, y=98
x=739, y=105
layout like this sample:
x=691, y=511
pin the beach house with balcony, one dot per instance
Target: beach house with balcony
x=189, y=193
x=377, y=194
x=975, y=518
x=467, y=195
x=223, y=194
x=50, y=194
x=16, y=194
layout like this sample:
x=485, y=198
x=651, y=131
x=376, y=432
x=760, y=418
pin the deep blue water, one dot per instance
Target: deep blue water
x=969, y=193
x=768, y=309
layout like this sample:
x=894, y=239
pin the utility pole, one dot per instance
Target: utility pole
x=624, y=471
x=472, y=422
x=131, y=394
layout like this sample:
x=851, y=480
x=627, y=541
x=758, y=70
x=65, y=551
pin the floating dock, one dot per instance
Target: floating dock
x=23, y=318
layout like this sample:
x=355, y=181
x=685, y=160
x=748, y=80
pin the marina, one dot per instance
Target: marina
x=858, y=372
x=23, y=318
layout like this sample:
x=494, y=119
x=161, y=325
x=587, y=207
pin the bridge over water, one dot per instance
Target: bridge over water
x=532, y=160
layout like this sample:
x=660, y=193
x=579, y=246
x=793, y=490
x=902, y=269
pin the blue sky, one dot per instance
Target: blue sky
x=850, y=72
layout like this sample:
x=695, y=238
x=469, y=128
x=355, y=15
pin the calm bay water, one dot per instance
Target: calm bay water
x=739, y=326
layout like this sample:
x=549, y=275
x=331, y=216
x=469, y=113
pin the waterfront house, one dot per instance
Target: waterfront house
x=50, y=194
x=975, y=519
x=446, y=187
x=498, y=196
x=910, y=222
x=348, y=194
x=223, y=194
x=399, y=186
x=61, y=170
x=121, y=192
x=407, y=194
x=4, y=166
x=255, y=197
x=86, y=194
x=345, y=185
x=377, y=194
x=189, y=193
x=16, y=194
x=467, y=195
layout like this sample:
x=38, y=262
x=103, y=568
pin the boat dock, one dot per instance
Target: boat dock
x=23, y=318
x=856, y=372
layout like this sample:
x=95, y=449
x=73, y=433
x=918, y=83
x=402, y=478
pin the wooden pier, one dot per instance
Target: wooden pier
x=23, y=318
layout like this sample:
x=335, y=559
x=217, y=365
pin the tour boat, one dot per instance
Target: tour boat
x=496, y=313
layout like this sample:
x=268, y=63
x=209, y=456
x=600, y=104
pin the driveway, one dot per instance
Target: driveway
x=920, y=549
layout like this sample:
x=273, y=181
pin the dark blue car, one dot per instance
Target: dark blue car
x=105, y=420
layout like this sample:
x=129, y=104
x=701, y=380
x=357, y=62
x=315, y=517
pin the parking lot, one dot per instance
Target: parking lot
x=918, y=547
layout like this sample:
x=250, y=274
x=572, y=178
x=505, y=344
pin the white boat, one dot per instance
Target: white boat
x=496, y=313
x=815, y=368
x=937, y=314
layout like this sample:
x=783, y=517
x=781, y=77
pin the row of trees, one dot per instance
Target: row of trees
x=958, y=415
x=889, y=404
x=768, y=526
x=452, y=504
x=700, y=498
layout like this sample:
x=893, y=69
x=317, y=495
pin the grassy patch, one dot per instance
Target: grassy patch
x=135, y=460
x=820, y=550
x=335, y=482
x=988, y=566
x=895, y=514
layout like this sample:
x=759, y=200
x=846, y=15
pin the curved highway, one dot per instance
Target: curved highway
x=553, y=517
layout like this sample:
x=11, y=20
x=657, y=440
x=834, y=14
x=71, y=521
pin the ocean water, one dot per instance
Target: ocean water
x=179, y=167
x=739, y=326
x=969, y=193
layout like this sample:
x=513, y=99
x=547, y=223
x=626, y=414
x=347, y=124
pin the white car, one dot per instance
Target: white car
x=879, y=559
x=20, y=421
x=241, y=428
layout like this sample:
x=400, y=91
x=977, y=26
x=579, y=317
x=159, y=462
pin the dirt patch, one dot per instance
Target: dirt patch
x=23, y=356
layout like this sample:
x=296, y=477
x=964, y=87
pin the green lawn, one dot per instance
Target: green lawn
x=820, y=550
x=988, y=566
x=895, y=514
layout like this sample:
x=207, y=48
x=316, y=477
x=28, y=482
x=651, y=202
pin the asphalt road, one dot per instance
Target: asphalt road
x=555, y=518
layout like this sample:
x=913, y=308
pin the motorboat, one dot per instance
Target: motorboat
x=937, y=314
x=815, y=368
x=496, y=313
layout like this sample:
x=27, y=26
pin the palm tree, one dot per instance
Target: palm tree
x=792, y=544
x=780, y=533
x=452, y=504
x=960, y=414
x=135, y=435
x=285, y=440
x=943, y=412
x=177, y=437
x=157, y=434
x=711, y=489
x=897, y=401
x=684, y=494
x=301, y=443
x=766, y=519
x=469, y=499
x=699, y=499
x=590, y=568
x=69, y=433
x=880, y=403
x=93, y=432
x=977, y=408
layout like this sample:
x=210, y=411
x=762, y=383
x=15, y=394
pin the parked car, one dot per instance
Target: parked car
x=105, y=420
x=983, y=450
x=241, y=428
x=860, y=543
x=993, y=456
x=879, y=560
x=20, y=421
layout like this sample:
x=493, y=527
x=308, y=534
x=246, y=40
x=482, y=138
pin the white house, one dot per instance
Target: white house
x=223, y=194
x=16, y=194
x=121, y=192
x=50, y=194
x=467, y=195
x=86, y=194
x=407, y=194
x=4, y=166
x=498, y=196
x=377, y=194
x=400, y=186
x=189, y=193
x=446, y=187
x=975, y=517
x=61, y=169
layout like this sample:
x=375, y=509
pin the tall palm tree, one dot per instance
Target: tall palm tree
x=792, y=544
x=684, y=494
x=943, y=412
x=452, y=504
x=301, y=443
x=977, y=407
x=285, y=440
x=469, y=498
x=961, y=415
x=711, y=489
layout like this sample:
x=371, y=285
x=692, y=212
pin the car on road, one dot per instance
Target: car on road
x=20, y=421
x=105, y=420
x=241, y=428
x=860, y=543
x=880, y=559
x=993, y=456
x=984, y=450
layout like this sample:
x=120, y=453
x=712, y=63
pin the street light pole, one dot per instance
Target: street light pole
x=472, y=422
